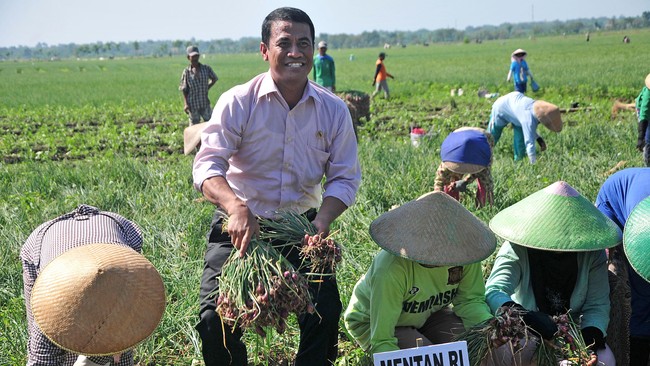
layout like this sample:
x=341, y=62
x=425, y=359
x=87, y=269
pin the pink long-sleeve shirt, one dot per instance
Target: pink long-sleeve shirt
x=274, y=157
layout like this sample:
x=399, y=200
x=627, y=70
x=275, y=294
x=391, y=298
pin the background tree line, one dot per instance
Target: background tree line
x=167, y=48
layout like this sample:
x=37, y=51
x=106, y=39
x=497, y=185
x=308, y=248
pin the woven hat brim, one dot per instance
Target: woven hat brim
x=518, y=51
x=434, y=230
x=192, y=137
x=98, y=299
x=636, y=239
x=558, y=223
x=548, y=115
x=463, y=168
x=647, y=81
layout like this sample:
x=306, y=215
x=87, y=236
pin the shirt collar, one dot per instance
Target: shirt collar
x=267, y=86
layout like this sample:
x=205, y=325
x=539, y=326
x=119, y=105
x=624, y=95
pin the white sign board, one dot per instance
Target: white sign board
x=446, y=354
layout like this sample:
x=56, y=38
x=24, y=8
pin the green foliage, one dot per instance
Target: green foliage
x=111, y=136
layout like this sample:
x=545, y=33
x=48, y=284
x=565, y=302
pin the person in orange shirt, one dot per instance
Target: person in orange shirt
x=380, y=77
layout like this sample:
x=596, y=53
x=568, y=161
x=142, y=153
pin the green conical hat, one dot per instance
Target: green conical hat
x=636, y=238
x=434, y=229
x=556, y=218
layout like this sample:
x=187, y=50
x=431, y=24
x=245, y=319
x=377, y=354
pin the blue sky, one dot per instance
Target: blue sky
x=27, y=22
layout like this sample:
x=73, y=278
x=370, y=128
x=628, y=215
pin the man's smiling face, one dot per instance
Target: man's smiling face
x=290, y=52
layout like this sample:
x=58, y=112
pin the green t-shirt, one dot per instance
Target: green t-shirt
x=400, y=292
x=324, y=71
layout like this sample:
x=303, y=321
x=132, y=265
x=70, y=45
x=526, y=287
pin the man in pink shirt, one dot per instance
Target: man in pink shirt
x=266, y=149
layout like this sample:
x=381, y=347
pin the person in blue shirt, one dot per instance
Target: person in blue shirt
x=519, y=70
x=524, y=114
x=617, y=197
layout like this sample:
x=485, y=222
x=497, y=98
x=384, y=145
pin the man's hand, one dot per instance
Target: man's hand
x=186, y=109
x=242, y=227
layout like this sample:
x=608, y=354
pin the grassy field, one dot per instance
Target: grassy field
x=109, y=133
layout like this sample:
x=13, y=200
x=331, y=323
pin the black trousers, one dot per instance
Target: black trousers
x=222, y=345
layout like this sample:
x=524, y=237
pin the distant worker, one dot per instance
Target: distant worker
x=466, y=157
x=519, y=70
x=380, y=77
x=196, y=81
x=643, y=113
x=524, y=114
x=324, y=71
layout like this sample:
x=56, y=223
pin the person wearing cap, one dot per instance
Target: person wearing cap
x=426, y=282
x=381, y=76
x=279, y=142
x=519, y=70
x=617, y=198
x=54, y=239
x=642, y=104
x=466, y=157
x=553, y=262
x=196, y=81
x=524, y=114
x=324, y=72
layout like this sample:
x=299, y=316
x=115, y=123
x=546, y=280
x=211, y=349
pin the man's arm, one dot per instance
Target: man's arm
x=242, y=224
x=374, y=78
x=330, y=209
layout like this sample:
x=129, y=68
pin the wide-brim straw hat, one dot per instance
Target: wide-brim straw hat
x=636, y=239
x=435, y=230
x=647, y=81
x=192, y=137
x=519, y=51
x=466, y=151
x=556, y=218
x=98, y=299
x=548, y=114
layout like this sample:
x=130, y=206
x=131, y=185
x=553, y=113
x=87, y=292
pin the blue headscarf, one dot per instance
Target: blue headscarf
x=468, y=146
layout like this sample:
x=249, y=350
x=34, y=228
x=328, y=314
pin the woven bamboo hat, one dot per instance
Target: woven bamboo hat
x=556, y=218
x=98, y=299
x=636, y=238
x=466, y=151
x=519, y=51
x=192, y=137
x=434, y=229
x=647, y=81
x=548, y=114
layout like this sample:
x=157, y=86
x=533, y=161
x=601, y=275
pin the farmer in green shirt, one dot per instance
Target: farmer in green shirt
x=426, y=283
x=324, y=71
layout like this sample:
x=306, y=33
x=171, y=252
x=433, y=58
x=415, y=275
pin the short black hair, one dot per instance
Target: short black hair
x=381, y=54
x=286, y=14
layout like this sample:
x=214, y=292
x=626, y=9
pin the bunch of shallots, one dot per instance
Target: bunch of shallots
x=506, y=328
x=322, y=254
x=567, y=346
x=261, y=289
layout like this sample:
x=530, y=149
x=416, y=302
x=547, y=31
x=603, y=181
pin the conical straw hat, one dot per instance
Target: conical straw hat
x=636, y=238
x=548, y=114
x=192, y=136
x=556, y=218
x=518, y=51
x=647, y=81
x=98, y=299
x=434, y=229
